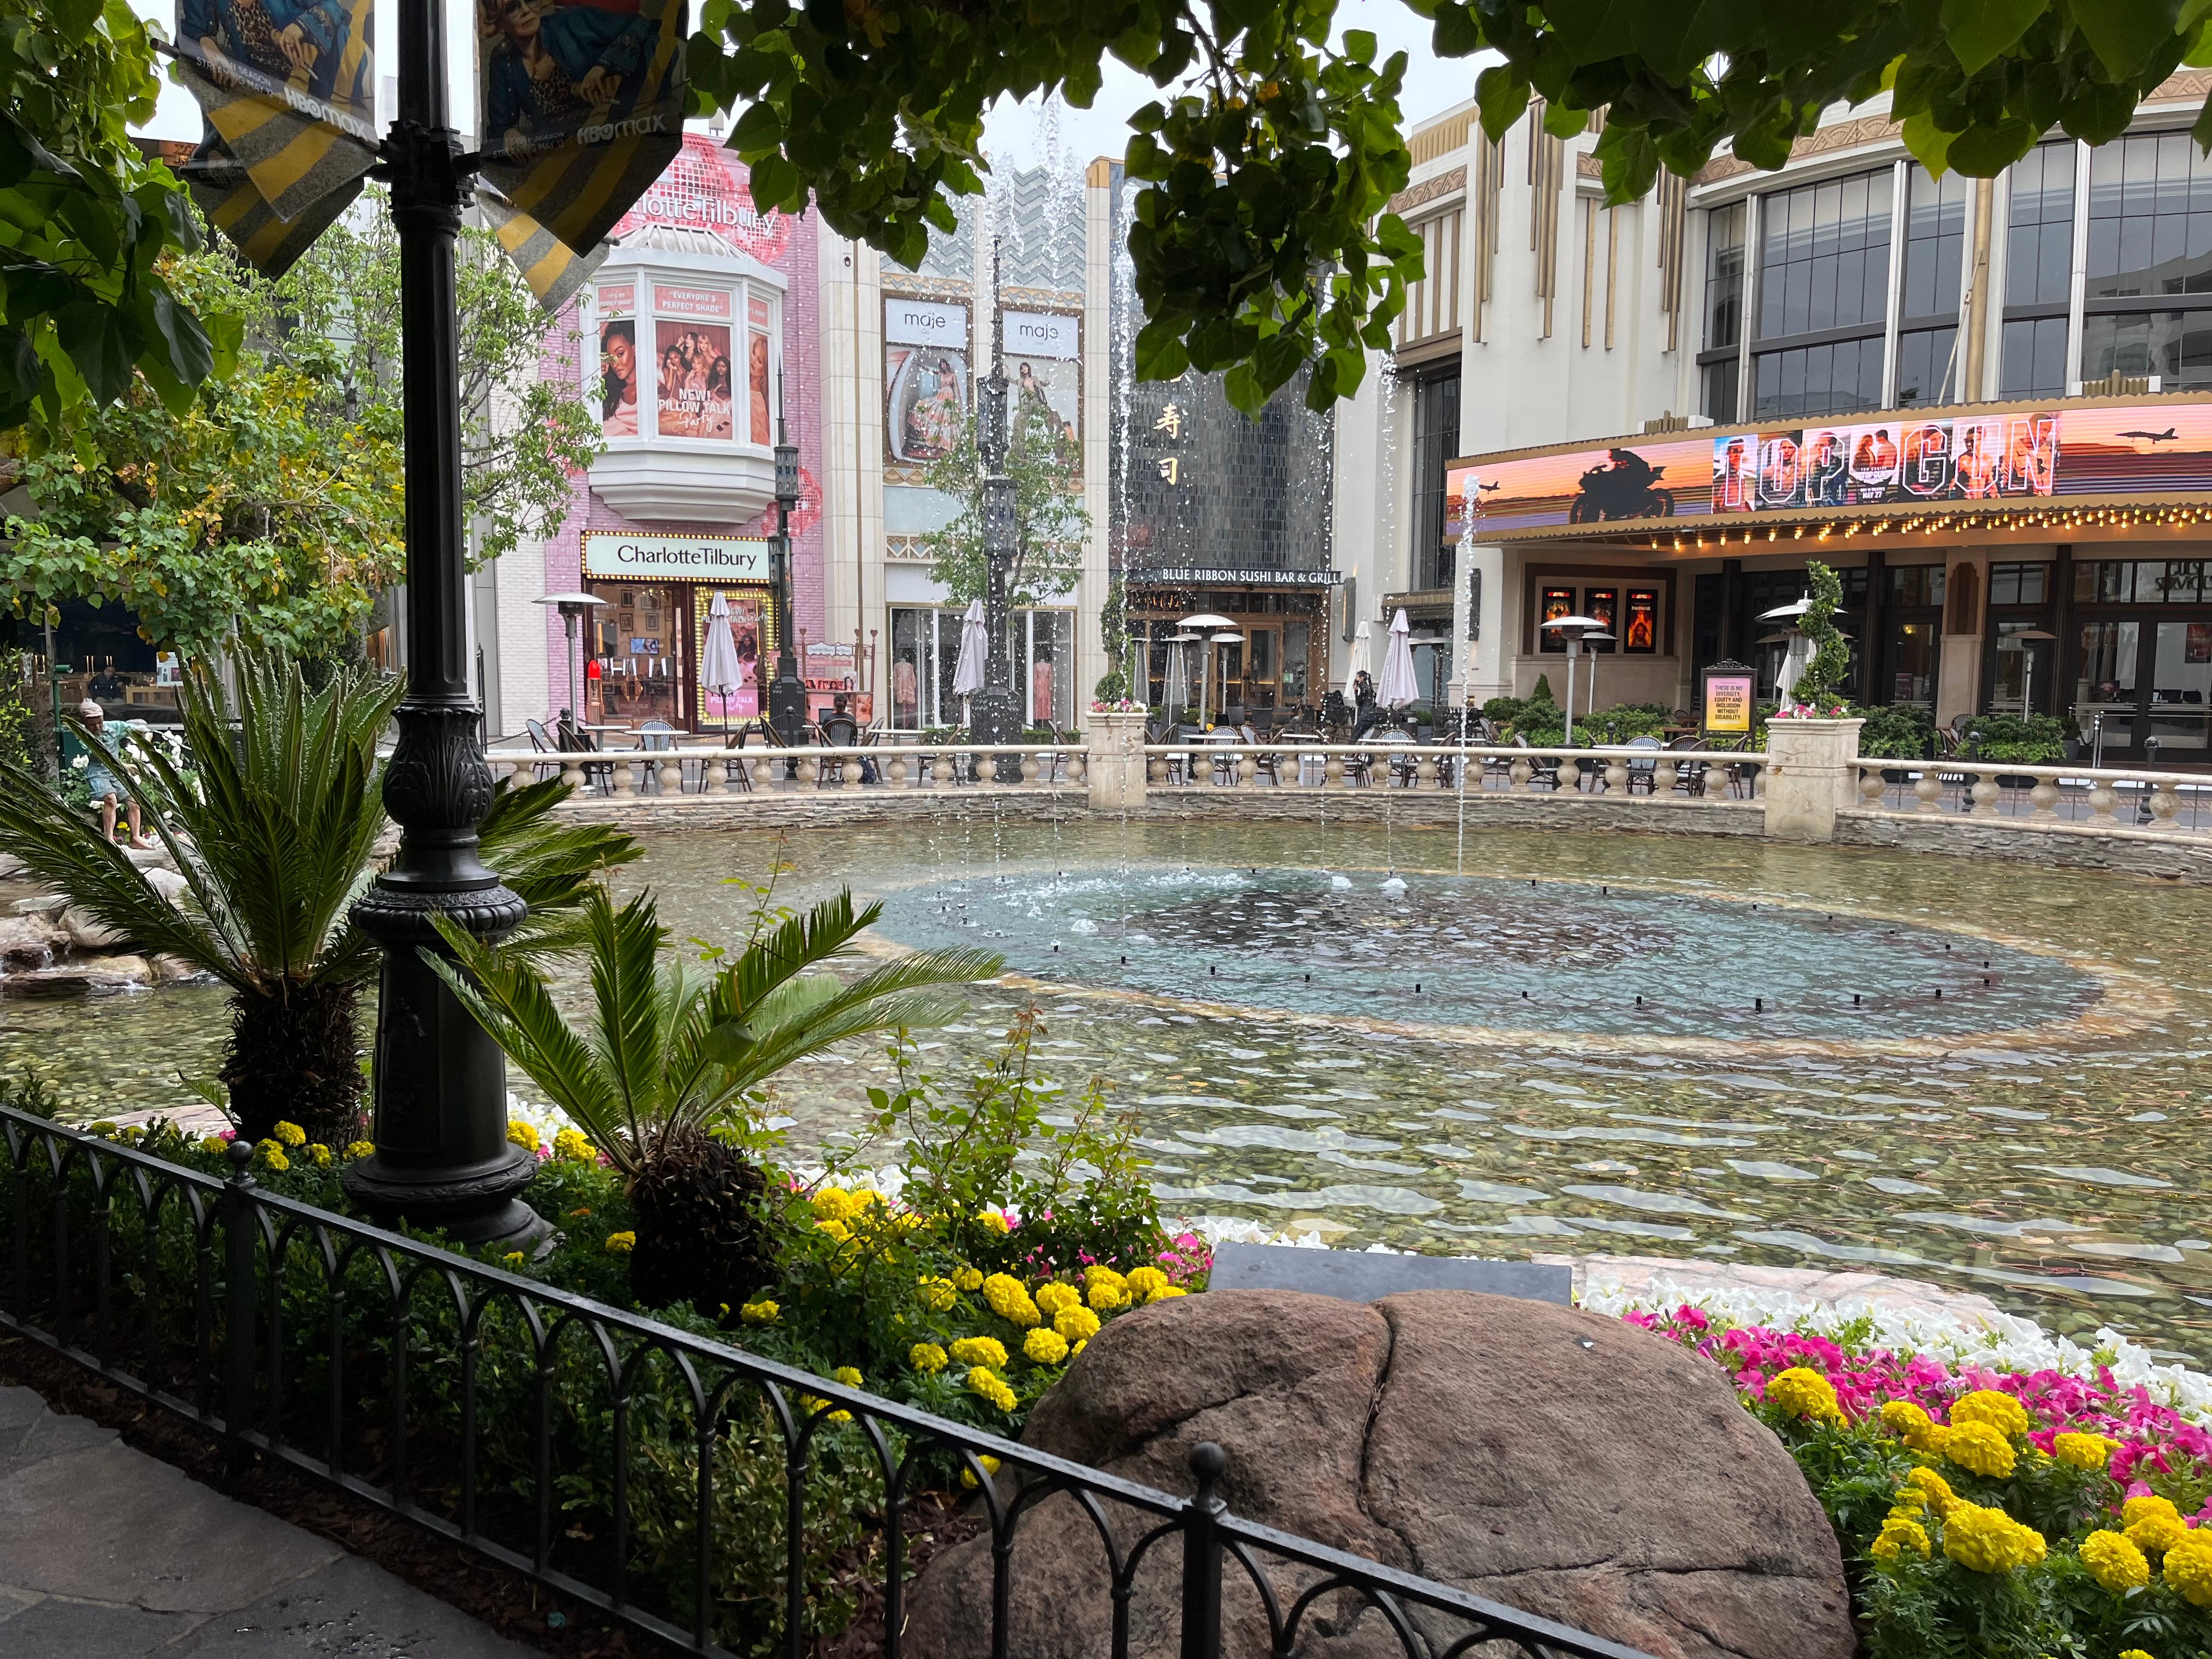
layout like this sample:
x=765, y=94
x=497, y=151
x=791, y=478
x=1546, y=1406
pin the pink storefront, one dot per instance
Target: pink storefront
x=694, y=336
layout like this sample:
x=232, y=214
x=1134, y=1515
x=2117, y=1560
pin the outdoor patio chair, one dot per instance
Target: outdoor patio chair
x=1540, y=768
x=838, y=732
x=1643, y=771
x=541, y=741
x=1689, y=775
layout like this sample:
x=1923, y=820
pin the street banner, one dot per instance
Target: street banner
x=582, y=109
x=287, y=89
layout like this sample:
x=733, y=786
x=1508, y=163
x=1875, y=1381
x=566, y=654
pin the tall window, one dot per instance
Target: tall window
x=2149, y=307
x=1823, y=297
x=1928, y=369
x=1436, y=439
x=2039, y=274
x=1724, y=347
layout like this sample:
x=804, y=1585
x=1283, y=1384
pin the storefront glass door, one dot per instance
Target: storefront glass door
x=2181, y=677
x=1915, y=651
x=639, y=658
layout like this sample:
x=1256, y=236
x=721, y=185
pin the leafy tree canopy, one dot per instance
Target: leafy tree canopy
x=1264, y=244
x=1050, y=521
x=85, y=219
x=274, y=499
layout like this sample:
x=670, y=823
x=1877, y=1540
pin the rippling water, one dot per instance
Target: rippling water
x=1311, y=1044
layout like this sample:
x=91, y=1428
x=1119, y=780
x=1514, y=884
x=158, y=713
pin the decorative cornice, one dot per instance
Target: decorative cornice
x=1586, y=166
x=925, y=288
x=1845, y=135
x=1428, y=189
x=2187, y=87
x=1055, y=299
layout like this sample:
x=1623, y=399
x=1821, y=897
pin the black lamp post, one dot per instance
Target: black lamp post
x=787, y=697
x=993, y=716
x=442, y=1157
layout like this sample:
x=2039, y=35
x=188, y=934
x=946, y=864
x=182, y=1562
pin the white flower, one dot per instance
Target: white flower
x=80, y=762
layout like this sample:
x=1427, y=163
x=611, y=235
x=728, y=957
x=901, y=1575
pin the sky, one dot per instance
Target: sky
x=1017, y=133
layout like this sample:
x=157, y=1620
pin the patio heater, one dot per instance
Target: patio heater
x=2025, y=643
x=1177, y=680
x=1195, y=627
x=1589, y=680
x=1574, y=630
x=573, y=607
x=1797, y=645
x=1214, y=644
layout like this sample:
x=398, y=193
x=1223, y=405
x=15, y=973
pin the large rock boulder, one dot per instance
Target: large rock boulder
x=1564, y=1464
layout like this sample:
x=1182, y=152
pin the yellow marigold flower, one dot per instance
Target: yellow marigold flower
x=2189, y=1568
x=991, y=1467
x=271, y=1154
x=1168, y=1290
x=1046, y=1346
x=927, y=1358
x=938, y=1294
x=106, y=1129
x=621, y=1243
x=290, y=1135
x=1976, y=1444
x=836, y=1230
x=1988, y=1540
x=2154, y=1533
x=574, y=1146
x=513, y=1258
x=866, y=1198
x=1010, y=1301
x=1933, y=1490
x=2083, y=1452
x=848, y=1375
x=833, y=1204
x=979, y=1351
x=1905, y=1420
x=523, y=1134
x=1077, y=1324
x=982, y=1380
x=361, y=1149
x=2134, y=1653
x=1052, y=1296
x=763, y=1312
x=322, y=1156
x=968, y=1279
x=1146, y=1283
x=2147, y=1504
x=2114, y=1561
x=215, y=1144
x=1899, y=1534
x=1108, y=1289
x=995, y=1220
x=2000, y=1410
x=1077, y=1349
x=1804, y=1393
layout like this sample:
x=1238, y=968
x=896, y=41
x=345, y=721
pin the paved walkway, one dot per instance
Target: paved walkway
x=106, y=1554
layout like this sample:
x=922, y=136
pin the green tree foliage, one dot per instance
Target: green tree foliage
x=1263, y=243
x=274, y=500
x=1050, y=521
x=86, y=220
x=1832, y=658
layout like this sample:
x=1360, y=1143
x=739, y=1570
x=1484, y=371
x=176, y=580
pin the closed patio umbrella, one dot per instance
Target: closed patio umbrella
x=720, y=674
x=1399, y=686
x=975, y=651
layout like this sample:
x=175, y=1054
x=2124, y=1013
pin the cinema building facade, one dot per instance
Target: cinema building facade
x=1988, y=404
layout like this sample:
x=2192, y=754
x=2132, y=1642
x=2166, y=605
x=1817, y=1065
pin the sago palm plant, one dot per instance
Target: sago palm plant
x=274, y=828
x=671, y=1052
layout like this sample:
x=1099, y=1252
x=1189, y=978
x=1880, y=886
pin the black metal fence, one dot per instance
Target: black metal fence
x=719, y=1500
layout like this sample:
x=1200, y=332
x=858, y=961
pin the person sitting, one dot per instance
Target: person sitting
x=107, y=685
x=99, y=776
x=1370, y=714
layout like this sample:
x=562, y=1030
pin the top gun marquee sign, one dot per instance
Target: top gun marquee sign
x=2152, y=450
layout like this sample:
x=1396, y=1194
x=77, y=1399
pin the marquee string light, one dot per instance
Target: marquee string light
x=2061, y=520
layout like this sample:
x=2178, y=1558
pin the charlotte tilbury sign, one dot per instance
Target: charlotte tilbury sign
x=676, y=558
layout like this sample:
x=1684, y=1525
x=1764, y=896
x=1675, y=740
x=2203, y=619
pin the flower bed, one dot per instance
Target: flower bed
x=1995, y=1493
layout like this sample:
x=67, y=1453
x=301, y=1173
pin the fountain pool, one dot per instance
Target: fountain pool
x=1448, y=1053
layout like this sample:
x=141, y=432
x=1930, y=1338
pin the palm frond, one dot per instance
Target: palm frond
x=549, y=863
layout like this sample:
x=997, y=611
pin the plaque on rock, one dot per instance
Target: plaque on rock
x=1360, y=1276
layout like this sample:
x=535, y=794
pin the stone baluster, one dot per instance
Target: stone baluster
x=1246, y=768
x=1425, y=770
x=1616, y=776
x=672, y=774
x=1927, y=790
x=1663, y=777
x=1031, y=770
x=1333, y=769
x=1571, y=775
x=941, y=768
x=809, y=770
x=2102, y=800
x=2164, y=803
x=572, y=772
x=1517, y=777
x=896, y=771
x=1872, y=786
x=2043, y=799
x=625, y=780
x=1984, y=790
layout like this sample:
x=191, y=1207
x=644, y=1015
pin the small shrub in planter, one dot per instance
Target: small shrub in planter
x=2028, y=740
